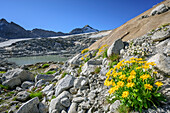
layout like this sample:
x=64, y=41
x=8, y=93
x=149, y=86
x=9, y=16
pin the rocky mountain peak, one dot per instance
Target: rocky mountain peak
x=85, y=29
x=3, y=21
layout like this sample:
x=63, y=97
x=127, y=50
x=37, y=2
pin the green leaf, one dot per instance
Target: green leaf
x=157, y=94
x=139, y=99
x=145, y=105
x=135, y=95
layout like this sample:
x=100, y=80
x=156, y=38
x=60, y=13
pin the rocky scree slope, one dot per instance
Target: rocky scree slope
x=138, y=26
x=76, y=86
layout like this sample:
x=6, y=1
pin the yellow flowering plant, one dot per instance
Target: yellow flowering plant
x=133, y=82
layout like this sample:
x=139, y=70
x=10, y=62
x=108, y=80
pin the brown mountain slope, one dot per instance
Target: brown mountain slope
x=135, y=27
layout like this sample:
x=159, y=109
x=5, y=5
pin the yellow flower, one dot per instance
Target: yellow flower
x=82, y=58
x=146, y=67
x=133, y=58
x=148, y=86
x=111, y=90
x=125, y=94
x=84, y=50
x=132, y=73
x=120, y=73
x=155, y=72
x=158, y=83
x=130, y=84
x=145, y=76
x=138, y=68
x=86, y=55
x=152, y=63
x=120, y=83
x=139, y=59
x=123, y=69
x=131, y=77
x=123, y=77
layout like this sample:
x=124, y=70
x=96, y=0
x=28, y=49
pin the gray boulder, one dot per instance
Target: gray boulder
x=44, y=77
x=15, y=77
x=159, y=9
x=114, y=106
x=55, y=104
x=79, y=82
x=43, y=108
x=64, y=84
x=65, y=102
x=115, y=47
x=30, y=106
x=161, y=35
x=22, y=96
x=90, y=66
x=48, y=88
x=162, y=62
x=73, y=108
x=27, y=84
x=75, y=60
x=12, y=82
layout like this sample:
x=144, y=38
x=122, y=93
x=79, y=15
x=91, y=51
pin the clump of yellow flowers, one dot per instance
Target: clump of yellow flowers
x=84, y=51
x=102, y=48
x=133, y=82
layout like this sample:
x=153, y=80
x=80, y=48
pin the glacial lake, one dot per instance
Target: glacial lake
x=35, y=59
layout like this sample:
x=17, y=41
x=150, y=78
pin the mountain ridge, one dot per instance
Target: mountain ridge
x=11, y=30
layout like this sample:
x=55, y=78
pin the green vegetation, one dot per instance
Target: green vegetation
x=17, y=107
x=111, y=64
x=105, y=53
x=45, y=65
x=53, y=97
x=97, y=70
x=64, y=74
x=2, y=72
x=50, y=72
x=36, y=94
x=164, y=25
x=87, y=59
x=4, y=87
x=123, y=109
x=96, y=51
x=114, y=57
x=14, y=99
x=133, y=83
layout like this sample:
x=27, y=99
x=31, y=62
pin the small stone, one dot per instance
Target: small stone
x=65, y=102
x=78, y=99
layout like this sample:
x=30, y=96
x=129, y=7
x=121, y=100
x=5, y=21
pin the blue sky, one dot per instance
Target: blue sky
x=64, y=15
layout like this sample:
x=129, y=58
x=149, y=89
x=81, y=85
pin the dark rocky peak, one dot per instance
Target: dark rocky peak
x=3, y=21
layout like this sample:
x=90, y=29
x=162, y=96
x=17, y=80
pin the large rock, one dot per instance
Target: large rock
x=73, y=108
x=162, y=62
x=30, y=106
x=115, y=47
x=43, y=108
x=44, y=77
x=15, y=77
x=22, y=96
x=161, y=35
x=55, y=104
x=64, y=84
x=90, y=66
x=159, y=9
x=48, y=88
x=79, y=82
x=12, y=82
x=75, y=61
